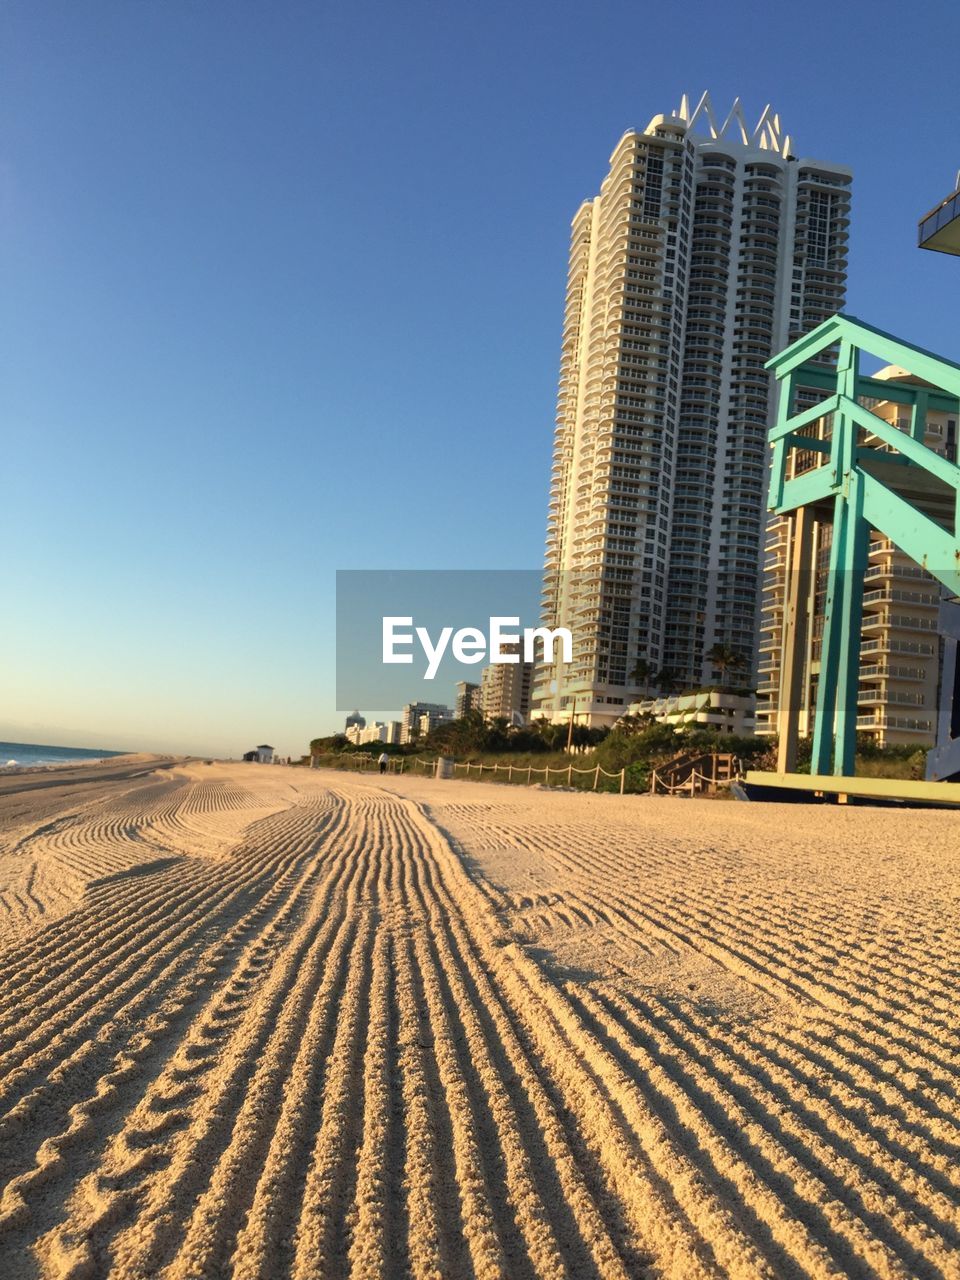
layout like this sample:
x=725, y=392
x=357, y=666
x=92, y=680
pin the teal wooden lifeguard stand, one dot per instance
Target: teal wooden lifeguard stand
x=866, y=474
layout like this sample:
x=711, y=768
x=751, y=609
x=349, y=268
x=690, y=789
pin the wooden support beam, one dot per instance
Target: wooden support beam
x=812, y=486
x=918, y=416
x=792, y=663
x=853, y=561
x=829, y=645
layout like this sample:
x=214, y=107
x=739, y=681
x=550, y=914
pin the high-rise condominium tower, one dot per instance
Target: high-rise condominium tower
x=708, y=249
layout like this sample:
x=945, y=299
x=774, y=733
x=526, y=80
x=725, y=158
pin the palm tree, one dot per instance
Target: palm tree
x=667, y=680
x=642, y=674
x=726, y=660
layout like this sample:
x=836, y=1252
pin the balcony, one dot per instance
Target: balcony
x=866, y=697
x=889, y=569
x=879, y=720
x=940, y=228
x=881, y=671
x=919, y=599
x=899, y=622
x=884, y=644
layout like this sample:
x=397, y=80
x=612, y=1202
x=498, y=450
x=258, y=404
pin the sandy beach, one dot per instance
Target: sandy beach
x=263, y=1022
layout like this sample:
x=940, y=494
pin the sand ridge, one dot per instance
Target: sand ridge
x=306, y=1024
x=55, y=844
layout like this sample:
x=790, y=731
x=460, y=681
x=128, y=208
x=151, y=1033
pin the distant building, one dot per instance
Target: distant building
x=468, y=698
x=354, y=721
x=260, y=755
x=420, y=717
x=380, y=731
x=361, y=733
x=376, y=732
x=505, y=689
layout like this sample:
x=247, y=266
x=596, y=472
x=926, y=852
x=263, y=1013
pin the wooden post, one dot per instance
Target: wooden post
x=824, y=720
x=509, y=772
x=854, y=561
x=573, y=716
x=529, y=773
x=795, y=623
x=623, y=779
x=918, y=415
x=596, y=778
x=569, y=775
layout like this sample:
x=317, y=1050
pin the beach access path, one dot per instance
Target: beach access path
x=264, y=1022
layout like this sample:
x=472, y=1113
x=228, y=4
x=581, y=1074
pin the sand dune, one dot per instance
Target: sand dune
x=293, y=1024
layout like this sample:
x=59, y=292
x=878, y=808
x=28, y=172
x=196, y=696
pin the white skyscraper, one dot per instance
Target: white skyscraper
x=708, y=249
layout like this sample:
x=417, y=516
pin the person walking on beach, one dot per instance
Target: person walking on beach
x=383, y=761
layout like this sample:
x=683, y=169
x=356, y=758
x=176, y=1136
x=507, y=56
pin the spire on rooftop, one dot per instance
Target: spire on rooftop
x=768, y=134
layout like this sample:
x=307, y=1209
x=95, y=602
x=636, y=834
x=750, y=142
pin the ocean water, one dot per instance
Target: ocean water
x=31, y=753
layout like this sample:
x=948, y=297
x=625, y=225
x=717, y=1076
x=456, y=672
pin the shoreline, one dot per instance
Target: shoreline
x=83, y=762
x=105, y=769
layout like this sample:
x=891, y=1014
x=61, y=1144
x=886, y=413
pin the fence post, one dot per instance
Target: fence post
x=596, y=778
x=509, y=772
x=570, y=775
x=623, y=778
x=529, y=773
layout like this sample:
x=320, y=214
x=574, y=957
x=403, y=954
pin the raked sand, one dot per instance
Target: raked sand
x=262, y=1023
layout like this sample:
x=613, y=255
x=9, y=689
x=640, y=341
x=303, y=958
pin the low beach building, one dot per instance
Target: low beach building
x=733, y=713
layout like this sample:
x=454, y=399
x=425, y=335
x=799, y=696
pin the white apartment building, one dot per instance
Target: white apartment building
x=379, y=731
x=505, y=690
x=899, y=639
x=467, y=700
x=707, y=250
x=420, y=717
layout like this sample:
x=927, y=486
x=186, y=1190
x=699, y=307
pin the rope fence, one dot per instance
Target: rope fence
x=689, y=784
x=695, y=782
x=510, y=769
x=523, y=774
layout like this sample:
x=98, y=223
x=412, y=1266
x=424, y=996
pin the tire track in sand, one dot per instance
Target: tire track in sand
x=334, y=1049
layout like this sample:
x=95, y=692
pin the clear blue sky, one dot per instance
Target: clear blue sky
x=281, y=288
